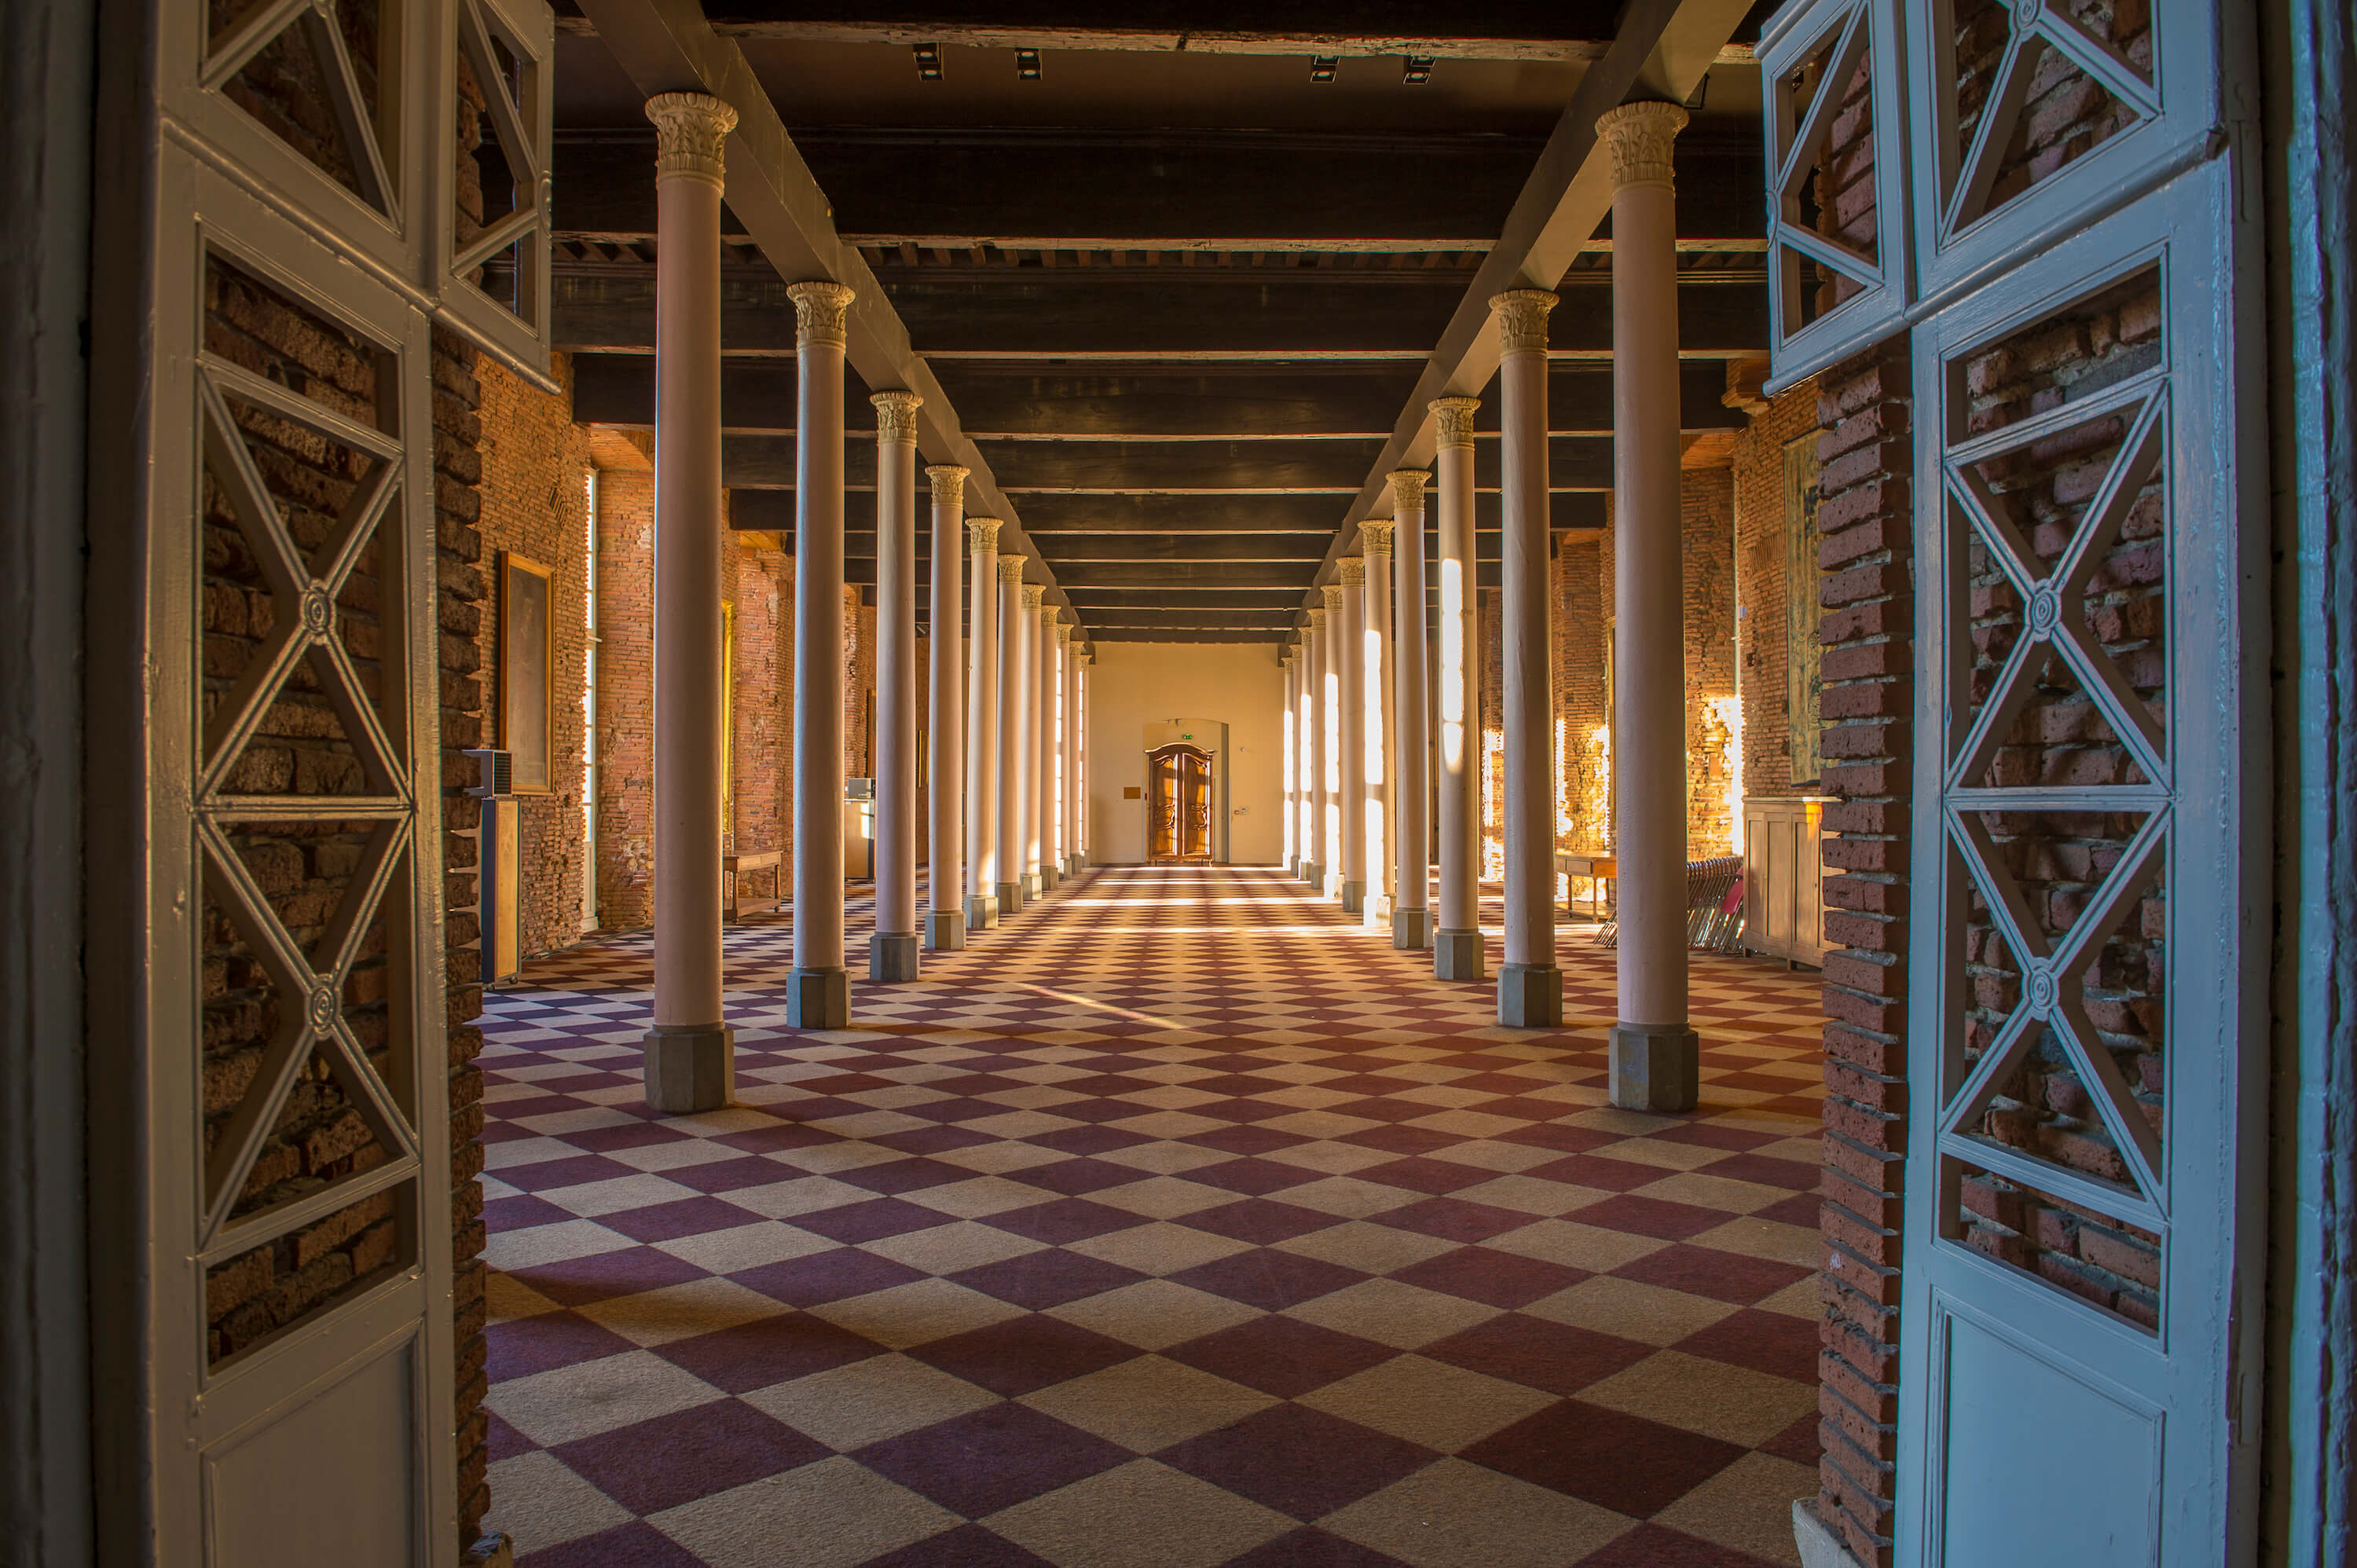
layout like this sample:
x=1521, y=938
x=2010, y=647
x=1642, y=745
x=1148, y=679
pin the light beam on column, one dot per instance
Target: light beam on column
x=1530, y=986
x=986, y=851
x=690, y=1052
x=946, y=870
x=1656, y=1058
x=892, y=947
x=1313, y=749
x=1290, y=659
x=1014, y=633
x=1410, y=707
x=1330, y=741
x=1037, y=721
x=1376, y=704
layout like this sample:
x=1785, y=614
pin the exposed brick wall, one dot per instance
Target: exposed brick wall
x=1761, y=586
x=858, y=684
x=1867, y=596
x=1585, y=798
x=626, y=698
x=1493, y=734
x=1706, y=514
x=535, y=469
x=761, y=587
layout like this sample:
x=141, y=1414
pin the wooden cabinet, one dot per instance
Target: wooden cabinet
x=1783, y=877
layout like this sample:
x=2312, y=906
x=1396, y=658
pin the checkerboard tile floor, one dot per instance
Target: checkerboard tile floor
x=1179, y=1221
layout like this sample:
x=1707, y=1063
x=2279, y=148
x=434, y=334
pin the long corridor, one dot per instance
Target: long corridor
x=1180, y=1221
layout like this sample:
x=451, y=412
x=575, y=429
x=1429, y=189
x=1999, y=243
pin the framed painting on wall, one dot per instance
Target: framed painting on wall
x=527, y=673
x=1803, y=681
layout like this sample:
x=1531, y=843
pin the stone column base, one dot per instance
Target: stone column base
x=1411, y=929
x=1530, y=996
x=1354, y=897
x=1292, y=864
x=818, y=999
x=1032, y=888
x=1052, y=877
x=892, y=957
x=944, y=931
x=1820, y=1547
x=1312, y=873
x=1378, y=910
x=1459, y=955
x=982, y=911
x=690, y=1067
x=1010, y=898
x=1655, y=1066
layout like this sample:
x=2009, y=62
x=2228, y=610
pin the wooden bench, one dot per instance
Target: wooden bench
x=772, y=860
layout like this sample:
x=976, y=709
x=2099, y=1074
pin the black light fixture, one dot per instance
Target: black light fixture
x=1700, y=91
x=1027, y=65
x=1418, y=70
x=928, y=61
x=1322, y=68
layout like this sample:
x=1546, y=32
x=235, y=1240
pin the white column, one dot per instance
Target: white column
x=945, y=715
x=1083, y=757
x=1456, y=949
x=984, y=848
x=1350, y=648
x=1313, y=747
x=1050, y=805
x=690, y=1051
x=1376, y=703
x=1067, y=753
x=1291, y=662
x=892, y=947
x=1656, y=1058
x=1014, y=633
x=1331, y=741
x=1412, y=823
x=818, y=992
x=1530, y=986
x=1037, y=726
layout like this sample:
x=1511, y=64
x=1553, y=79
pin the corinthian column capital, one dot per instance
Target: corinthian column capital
x=1010, y=571
x=1523, y=318
x=1640, y=135
x=949, y=484
x=689, y=129
x=1317, y=614
x=981, y=533
x=1454, y=417
x=1063, y=630
x=1033, y=594
x=895, y=417
x=820, y=308
x=1375, y=538
x=1354, y=569
x=1408, y=491
x=1333, y=592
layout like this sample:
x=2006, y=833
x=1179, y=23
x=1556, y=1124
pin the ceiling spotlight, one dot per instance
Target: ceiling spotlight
x=1322, y=68
x=1027, y=65
x=929, y=62
x=1418, y=71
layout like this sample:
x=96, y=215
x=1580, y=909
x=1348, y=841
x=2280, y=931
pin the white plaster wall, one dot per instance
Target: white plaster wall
x=1240, y=684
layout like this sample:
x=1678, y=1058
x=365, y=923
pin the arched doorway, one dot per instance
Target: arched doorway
x=1178, y=804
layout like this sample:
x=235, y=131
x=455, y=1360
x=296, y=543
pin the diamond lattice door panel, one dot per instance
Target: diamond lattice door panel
x=2082, y=1199
x=494, y=250
x=1835, y=135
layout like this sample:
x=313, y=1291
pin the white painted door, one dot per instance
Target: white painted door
x=280, y=1138
x=2089, y=920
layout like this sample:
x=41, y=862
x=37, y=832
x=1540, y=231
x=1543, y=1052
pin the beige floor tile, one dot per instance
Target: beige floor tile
x=703, y=1306
x=870, y=1123
x=1797, y=1244
x=1468, y=1123
x=1166, y=1158
x=1317, y=1124
x=589, y=1397
x=849, y=1156
x=1155, y=1313
x=1334, y=1159
x=1798, y=1299
x=558, y=1243
x=1627, y=1124
x=1580, y=1246
x=1031, y=1097
x=1654, y=1151
x=1006, y=1154
x=1627, y=1309
x=1389, y=1312
x=1162, y=1197
x=975, y=1199
x=538, y=1501
x=1710, y=1397
x=916, y=1313
x=835, y=1513
x=1018, y=1125
x=799, y=1194
x=1148, y=1403
x=1489, y=1154
x=1167, y=1125
x=1532, y=1195
x=1348, y=1198
x=1368, y=1247
x=1428, y=1401
x=1747, y=1507
x=1159, y=1249
x=743, y=1247
x=1455, y=1515
x=952, y=1248
x=1168, y=1097
x=867, y=1401
x=507, y=1298
x=1142, y=1515
x=590, y=1199
x=1704, y=1191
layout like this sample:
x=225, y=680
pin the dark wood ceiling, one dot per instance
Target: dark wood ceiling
x=1181, y=350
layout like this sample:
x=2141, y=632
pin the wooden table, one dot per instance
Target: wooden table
x=1599, y=868
x=772, y=860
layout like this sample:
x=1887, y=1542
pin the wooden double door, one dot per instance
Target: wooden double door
x=1178, y=804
